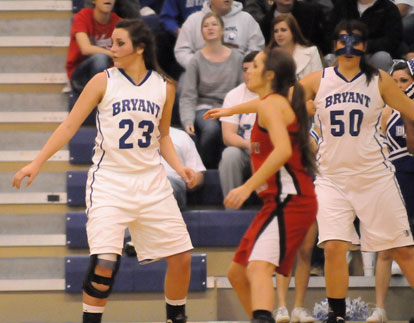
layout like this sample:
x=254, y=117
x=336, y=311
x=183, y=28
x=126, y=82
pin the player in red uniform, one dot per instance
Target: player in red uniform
x=283, y=165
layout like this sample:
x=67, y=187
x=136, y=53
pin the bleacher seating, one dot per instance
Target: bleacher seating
x=207, y=228
x=133, y=277
x=81, y=146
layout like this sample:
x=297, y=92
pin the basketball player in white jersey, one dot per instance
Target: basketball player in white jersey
x=355, y=178
x=127, y=185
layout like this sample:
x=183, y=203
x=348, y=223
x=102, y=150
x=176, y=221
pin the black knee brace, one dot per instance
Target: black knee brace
x=88, y=287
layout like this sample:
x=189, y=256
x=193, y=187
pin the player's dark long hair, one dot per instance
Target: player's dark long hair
x=282, y=64
x=355, y=25
x=142, y=36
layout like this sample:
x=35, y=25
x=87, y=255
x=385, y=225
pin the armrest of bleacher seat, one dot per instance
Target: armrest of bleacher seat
x=132, y=277
x=75, y=187
x=81, y=146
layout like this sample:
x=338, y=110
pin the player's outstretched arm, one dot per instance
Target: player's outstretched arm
x=89, y=98
x=246, y=107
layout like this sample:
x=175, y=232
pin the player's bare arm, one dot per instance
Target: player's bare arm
x=246, y=107
x=394, y=97
x=310, y=84
x=89, y=98
x=275, y=120
x=166, y=145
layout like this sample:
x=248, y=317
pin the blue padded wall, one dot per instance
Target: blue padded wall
x=75, y=187
x=133, y=277
x=206, y=228
x=81, y=146
x=210, y=228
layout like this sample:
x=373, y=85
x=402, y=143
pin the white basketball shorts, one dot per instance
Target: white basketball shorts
x=142, y=202
x=376, y=201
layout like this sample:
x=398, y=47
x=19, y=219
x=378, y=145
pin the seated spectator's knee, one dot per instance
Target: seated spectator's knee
x=100, y=62
x=231, y=155
x=381, y=59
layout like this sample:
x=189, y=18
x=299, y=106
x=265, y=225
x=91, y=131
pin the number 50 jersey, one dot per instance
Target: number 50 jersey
x=349, y=113
x=127, y=122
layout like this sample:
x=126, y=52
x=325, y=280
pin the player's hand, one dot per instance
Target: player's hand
x=190, y=130
x=30, y=170
x=189, y=176
x=216, y=113
x=236, y=197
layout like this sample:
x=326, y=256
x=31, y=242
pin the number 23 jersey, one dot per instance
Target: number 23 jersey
x=349, y=113
x=127, y=122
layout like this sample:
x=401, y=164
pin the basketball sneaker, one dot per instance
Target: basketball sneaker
x=377, y=316
x=301, y=315
x=281, y=315
x=332, y=318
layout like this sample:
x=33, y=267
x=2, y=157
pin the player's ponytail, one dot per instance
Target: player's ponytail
x=282, y=64
x=299, y=106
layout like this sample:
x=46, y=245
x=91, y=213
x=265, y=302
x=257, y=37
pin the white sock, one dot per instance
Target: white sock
x=93, y=309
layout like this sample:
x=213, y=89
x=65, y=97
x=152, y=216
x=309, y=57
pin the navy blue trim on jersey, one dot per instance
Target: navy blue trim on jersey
x=321, y=139
x=99, y=163
x=107, y=73
x=323, y=72
x=379, y=144
x=131, y=80
x=344, y=78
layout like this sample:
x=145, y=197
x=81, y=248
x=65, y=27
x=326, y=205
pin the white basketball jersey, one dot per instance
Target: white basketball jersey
x=349, y=113
x=127, y=122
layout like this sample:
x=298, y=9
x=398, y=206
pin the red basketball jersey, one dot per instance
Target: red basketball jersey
x=292, y=178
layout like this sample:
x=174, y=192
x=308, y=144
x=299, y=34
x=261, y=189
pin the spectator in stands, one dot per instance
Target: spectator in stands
x=406, y=8
x=90, y=42
x=384, y=24
x=287, y=35
x=309, y=16
x=400, y=140
x=241, y=31
x=123, y=8
x=189, y=157
x=127, y=185
x=410, y=54
x=234, y=167
x=175, y=12
x=211, y=73
x=280, y=154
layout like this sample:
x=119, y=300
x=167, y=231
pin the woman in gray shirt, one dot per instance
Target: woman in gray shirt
x=212, y=72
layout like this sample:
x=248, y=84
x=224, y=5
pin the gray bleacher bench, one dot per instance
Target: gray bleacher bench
x=209, y=194
x=133, y=277
x=46, y=5
x=207, y=228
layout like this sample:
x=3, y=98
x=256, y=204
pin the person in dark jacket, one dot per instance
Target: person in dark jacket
x=310, y=17
x=384, y=24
